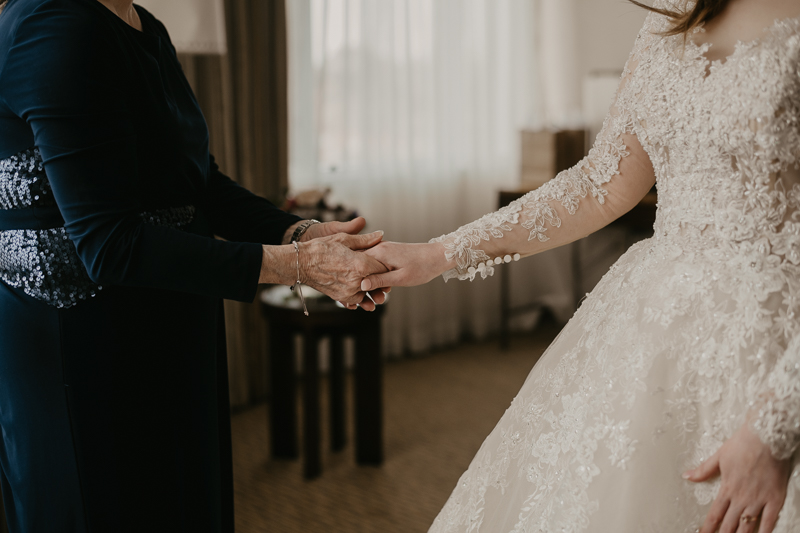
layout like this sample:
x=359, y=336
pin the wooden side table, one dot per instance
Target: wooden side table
x=325, y=319
x=640, y=219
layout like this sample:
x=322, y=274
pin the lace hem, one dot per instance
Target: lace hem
x=471, y=261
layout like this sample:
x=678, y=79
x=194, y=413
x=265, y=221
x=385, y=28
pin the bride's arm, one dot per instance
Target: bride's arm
x=610, y=181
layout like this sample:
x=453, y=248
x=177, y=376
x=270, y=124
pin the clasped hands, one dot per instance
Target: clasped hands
x=357, y=270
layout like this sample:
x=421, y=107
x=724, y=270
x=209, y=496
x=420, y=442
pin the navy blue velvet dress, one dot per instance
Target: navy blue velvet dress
x=113, y=381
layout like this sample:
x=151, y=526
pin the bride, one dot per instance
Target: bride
x=671, y=400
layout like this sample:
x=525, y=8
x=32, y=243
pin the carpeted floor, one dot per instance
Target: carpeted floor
x=438, y=410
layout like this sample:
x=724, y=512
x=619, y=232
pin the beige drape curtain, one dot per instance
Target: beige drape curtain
x=243, y=96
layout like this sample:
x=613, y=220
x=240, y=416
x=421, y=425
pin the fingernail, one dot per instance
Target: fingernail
x=366, y=285
x=687, y=475
x=379, y=232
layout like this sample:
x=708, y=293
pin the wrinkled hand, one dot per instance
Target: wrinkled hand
x=326, y=229
x=352, y=227
x=754, y=484
x=408, y=264
x=335, y=266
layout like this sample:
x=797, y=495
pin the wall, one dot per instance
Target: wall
x=606, y=32
x=604, y=35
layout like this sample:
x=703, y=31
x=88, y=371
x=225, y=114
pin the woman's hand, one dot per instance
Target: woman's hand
x=333, y=265
x=352, y=227
x=408, y=264
x=329, y=266
x=326, y=229
x=754, y=485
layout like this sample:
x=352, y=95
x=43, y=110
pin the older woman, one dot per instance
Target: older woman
x=113, y=384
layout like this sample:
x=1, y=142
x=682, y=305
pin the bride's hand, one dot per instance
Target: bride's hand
x=408, y=264
x=754, y=484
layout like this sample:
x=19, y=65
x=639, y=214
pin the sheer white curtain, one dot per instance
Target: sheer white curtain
x=410, y=110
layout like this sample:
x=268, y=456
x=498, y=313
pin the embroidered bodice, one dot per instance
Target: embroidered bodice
x=722, y=142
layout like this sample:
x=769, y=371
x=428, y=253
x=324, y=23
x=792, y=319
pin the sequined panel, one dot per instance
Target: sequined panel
x=45, y=264
x=23, y=182
x=174, y=217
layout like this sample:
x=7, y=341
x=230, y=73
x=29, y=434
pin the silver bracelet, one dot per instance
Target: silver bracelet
x=297, y=283
x=301, y=228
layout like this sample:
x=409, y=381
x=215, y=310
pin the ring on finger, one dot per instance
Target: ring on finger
x=746, y=518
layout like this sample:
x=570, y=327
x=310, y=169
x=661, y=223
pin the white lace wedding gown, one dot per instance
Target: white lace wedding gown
x=687, y=332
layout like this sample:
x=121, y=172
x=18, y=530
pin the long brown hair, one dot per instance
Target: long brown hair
x=683, y=22
x=2, y=5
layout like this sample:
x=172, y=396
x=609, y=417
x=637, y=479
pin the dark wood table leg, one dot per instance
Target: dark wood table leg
x=369, y=394
x=337, y=393
x=311, y=429
x=283, y=407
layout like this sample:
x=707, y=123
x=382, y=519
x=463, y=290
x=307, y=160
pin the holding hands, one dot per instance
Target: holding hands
x=357, y=270
x=335, y=265
x=330, y=259
x=407, y=264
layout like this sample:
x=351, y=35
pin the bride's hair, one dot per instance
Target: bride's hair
x=685, y=21
x=2, y=5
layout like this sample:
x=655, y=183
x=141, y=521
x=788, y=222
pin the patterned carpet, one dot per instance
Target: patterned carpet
x=438, y=410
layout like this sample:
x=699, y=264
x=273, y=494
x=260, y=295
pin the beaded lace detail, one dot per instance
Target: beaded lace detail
x=534, y=211
x=692, y=333
x=44, y=263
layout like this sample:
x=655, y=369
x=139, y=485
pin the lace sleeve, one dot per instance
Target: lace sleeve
x=777, y=409
x=615, y=175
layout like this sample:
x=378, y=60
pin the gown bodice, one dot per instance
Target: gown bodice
x=724, y=139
